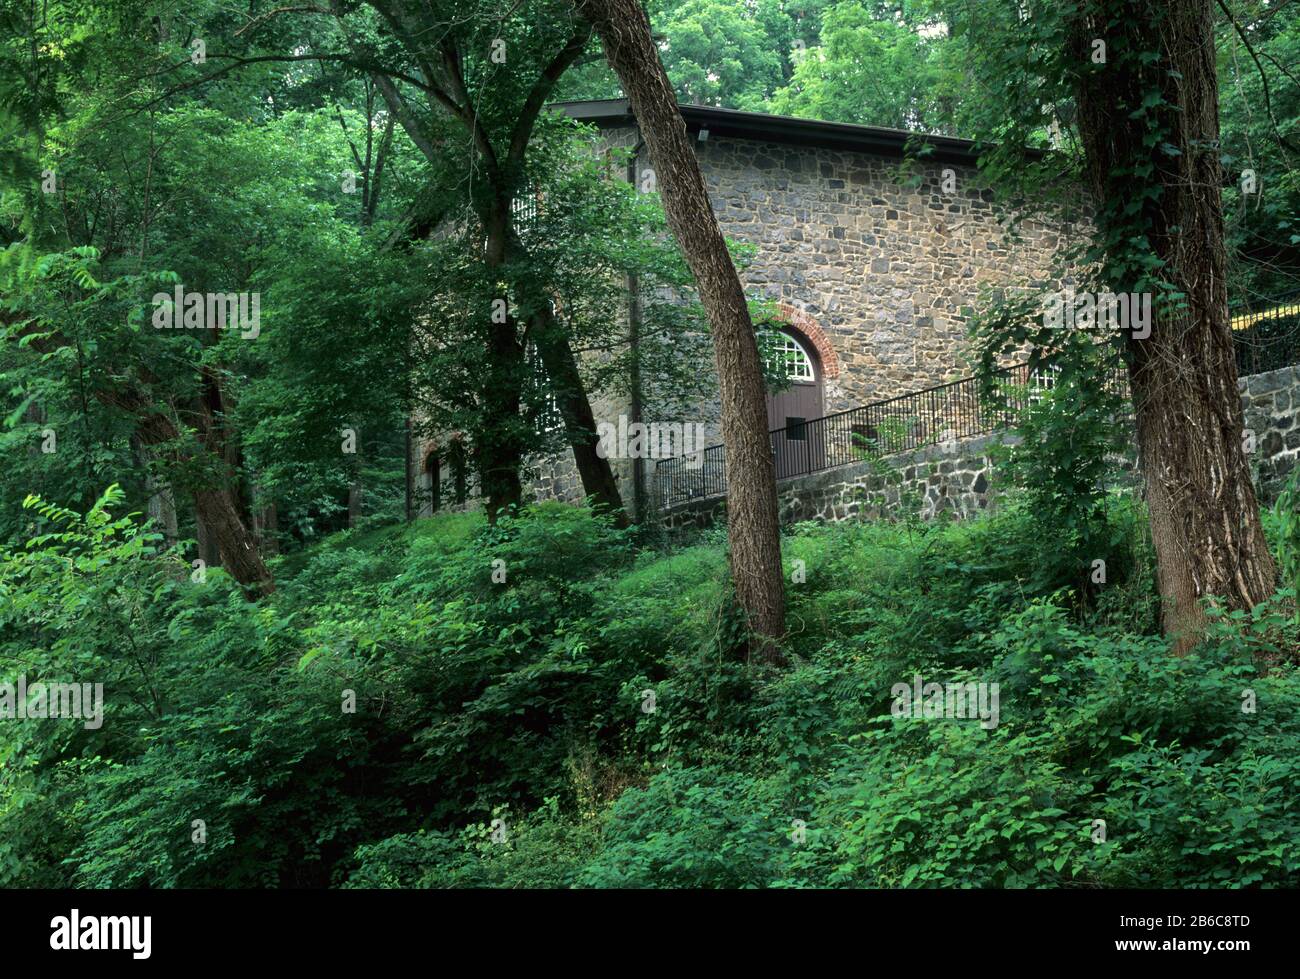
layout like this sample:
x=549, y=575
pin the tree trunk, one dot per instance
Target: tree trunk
x=500, y=450
x=498, y=468
x=753, y=529
x=161, y=506
x=205, y=544
x=235, y=545
x=216, y=508
x=1205, y=522
x=579, y=422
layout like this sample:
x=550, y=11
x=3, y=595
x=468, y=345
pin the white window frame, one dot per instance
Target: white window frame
x=549, y=417
x=799, y=362
x=1041, y=380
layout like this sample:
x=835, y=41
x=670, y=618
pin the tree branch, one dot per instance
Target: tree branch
x=1268, y=100
x=523, y=130
x=261, y=19
x=469, y=115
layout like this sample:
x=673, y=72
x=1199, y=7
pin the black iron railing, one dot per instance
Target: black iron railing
x=934, y=415
x=1267, y=337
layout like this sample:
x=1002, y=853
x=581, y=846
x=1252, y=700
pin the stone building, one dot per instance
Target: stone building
x=874, y=256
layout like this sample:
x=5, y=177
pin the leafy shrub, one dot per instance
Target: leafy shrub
x=271, y=769
x=693, y=827
x=526, y=700
x=541, y=850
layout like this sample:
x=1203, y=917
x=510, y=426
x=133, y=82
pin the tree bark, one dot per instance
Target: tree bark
x=500, y=450
x=162, y=503
x=753, y=529
x=235, y=544
x=205, y=542
x=1205, y=522
x=216, y=508
x=579, y=421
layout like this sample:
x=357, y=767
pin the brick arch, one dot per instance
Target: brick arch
x=427, y=450
x=431, y=447
x=810, y=328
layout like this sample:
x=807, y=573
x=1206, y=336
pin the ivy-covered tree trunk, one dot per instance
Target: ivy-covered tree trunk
x=1150, y=130
x=753, y=528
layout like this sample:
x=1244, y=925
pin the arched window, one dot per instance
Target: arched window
x=788, y=354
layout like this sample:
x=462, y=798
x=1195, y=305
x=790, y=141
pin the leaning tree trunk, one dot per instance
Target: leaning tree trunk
x=216, y=508
x=753, y=530
x=1205, y=522
x=235, y=543
x=579, y=422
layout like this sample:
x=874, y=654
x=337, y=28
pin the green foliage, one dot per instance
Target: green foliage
x=546, y=702
x=868, y=69
x=1061, y=457
x=694, y=827
x=502, y=736
x=718, y=52
x=269, y=766
x=540, y=850
x=1284, y=529
x=962, y=810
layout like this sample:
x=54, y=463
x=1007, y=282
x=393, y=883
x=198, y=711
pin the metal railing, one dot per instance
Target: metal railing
x=945, y=412
x=1265, y=339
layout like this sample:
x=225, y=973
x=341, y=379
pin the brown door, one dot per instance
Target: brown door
x=799, y=447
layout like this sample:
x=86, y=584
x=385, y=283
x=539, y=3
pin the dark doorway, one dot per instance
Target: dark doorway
x=799, y=447
x=433, y=482
x=456, y=456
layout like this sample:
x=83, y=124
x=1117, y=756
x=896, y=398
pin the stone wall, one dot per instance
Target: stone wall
x=877, y=263
x=961, y=481
x=928, y=481
x=885, y=261
x=1271, y=402
x=873, y=258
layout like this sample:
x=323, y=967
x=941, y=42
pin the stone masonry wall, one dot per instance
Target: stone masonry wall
x=1271, y=403
x=961, y=480
x=881, y=270
x=888, y=269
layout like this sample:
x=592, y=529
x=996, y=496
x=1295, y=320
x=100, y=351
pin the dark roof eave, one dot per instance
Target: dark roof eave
x=734, y=123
